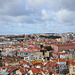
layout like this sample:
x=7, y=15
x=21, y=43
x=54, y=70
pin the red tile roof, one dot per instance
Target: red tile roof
x=57, y=64
x=19, y=51
x=44, y=49
x=21, y=70
x=5, y=67
x=44, y=71
x=12, y=69
x=26, y=51
x=73, y=63
x=24, y=62
x=34, y=70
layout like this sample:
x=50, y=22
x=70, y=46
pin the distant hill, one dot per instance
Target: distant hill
x=51, y=37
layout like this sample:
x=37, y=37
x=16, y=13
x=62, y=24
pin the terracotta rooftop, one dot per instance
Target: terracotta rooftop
x=34, y=70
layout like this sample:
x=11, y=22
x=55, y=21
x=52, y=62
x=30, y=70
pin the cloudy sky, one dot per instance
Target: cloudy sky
x=36, y=16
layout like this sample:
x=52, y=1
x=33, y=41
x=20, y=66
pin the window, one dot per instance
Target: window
x=39, y=58
x=26, y=53
x=73, y=69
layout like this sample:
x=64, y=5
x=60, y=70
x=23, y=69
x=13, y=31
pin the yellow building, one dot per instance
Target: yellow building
x=12, y=63
x=39, y=53
x=47, y=54
x=72, y=69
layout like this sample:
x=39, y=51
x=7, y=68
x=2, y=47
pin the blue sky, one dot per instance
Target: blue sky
x=36, y=16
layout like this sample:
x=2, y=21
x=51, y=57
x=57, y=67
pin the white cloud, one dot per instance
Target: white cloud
x=63, y=10
x=18, y=11
x=36, y=3
x=53, y=4
x=37, y=12
x=65, y=16
x=45, y=16
x=68, y=4
x=20, y=24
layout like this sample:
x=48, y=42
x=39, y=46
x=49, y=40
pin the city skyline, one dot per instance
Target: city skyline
x=39, y=16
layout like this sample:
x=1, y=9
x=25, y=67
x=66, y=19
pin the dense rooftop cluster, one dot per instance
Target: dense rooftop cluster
x=35, y=55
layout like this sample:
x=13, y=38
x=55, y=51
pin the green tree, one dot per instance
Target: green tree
x=48, y=48
x=41, y=46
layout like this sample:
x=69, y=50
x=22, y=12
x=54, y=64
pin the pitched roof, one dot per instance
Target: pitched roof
x=73, y=63
x=24, y=62
x=44, y=72
x=44, y=49
x=21, y=70
x=34, y=70
x=5, y=67
x=12, y=69
x=26, y=51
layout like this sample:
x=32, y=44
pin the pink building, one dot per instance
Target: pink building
x=61, y=47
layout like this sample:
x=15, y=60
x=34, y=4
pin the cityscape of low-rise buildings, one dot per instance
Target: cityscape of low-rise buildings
x=37, y=54
x=37, y=37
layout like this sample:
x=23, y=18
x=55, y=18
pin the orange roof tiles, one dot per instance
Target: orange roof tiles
x=44, y=71
x=43, y=49
x=30, y=49
x=60, y=60
x=54, y=59
x=34, y=70
x=19, y=51
x=57, y=64
x=23, y=62
x=23, y=49
x=72, y=42
x=58, y=53
x=12, y=69
x=4, y=67
x=73, y=63
x=26, y=51
x=11, y=51
x=21, y=70
x=51, y=51
x=33, y=51
x=4, y=51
